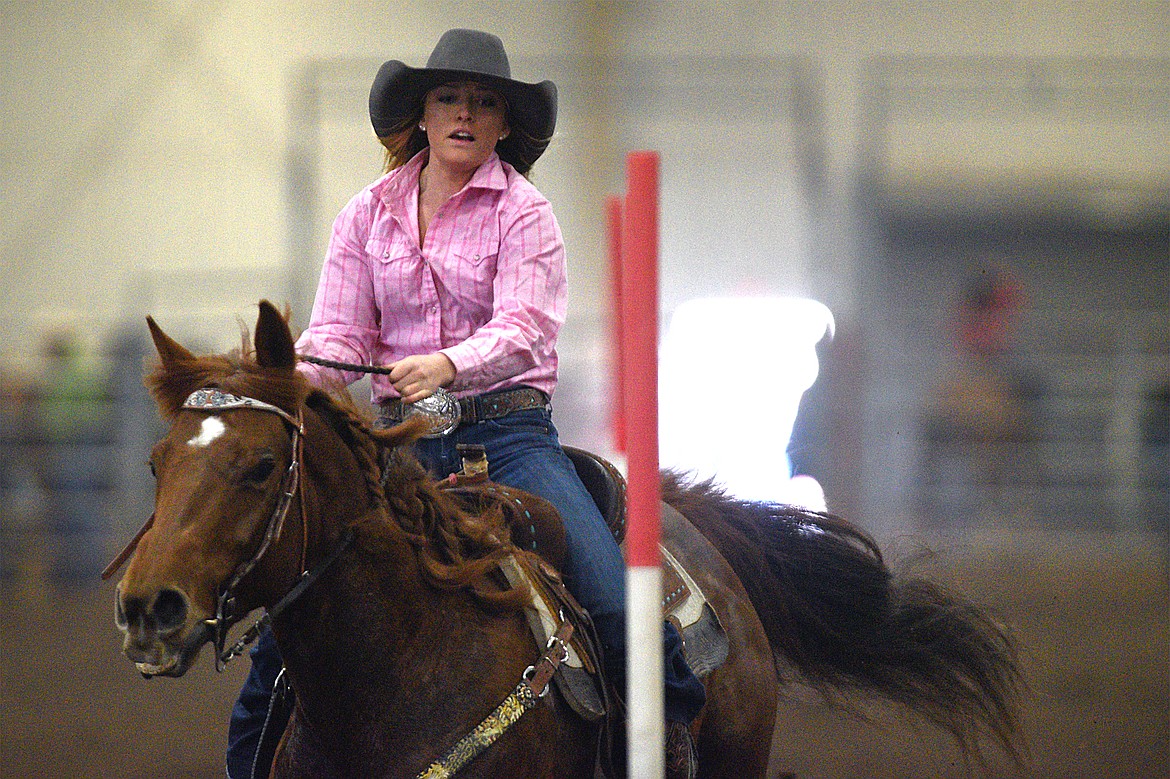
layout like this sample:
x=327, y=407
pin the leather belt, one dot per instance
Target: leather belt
x=477, y=408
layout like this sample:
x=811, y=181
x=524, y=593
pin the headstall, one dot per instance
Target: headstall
x=215, y=400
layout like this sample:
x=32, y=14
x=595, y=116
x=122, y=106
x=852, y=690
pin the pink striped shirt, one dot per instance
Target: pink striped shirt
x=487, y=288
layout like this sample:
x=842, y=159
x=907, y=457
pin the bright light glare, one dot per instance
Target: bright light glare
x=731, y=375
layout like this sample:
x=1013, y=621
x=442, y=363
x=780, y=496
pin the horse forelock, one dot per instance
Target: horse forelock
x=171, y=382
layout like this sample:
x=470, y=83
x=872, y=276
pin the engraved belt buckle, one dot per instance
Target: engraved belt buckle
x=441, y=410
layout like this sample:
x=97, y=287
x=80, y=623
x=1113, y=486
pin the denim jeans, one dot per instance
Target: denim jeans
x=523, y=452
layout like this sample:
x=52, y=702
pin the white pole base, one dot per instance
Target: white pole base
x=645, y=724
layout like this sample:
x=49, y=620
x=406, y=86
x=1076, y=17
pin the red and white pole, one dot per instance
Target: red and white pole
x=639, y=343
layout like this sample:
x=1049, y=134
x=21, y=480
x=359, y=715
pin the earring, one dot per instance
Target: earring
x=422, y=127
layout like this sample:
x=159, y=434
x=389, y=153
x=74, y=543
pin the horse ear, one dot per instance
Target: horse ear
x=175, y=376
x=274, y=343
x=170, y=351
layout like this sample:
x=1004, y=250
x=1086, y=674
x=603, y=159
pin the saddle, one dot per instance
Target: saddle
x=683, y=603
x=705, y=643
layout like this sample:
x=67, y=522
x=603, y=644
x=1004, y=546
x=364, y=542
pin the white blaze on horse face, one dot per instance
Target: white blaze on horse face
x=211, y=429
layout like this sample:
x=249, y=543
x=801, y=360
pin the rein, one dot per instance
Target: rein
x=303, y=583
x=345, y=366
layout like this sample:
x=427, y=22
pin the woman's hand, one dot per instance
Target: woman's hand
x=418, y=376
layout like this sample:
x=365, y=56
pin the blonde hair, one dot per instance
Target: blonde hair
x=403, y=142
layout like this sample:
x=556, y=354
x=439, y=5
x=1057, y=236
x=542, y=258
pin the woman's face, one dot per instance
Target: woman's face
x=464, y=121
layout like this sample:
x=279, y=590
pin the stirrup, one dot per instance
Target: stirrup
x=682, y=761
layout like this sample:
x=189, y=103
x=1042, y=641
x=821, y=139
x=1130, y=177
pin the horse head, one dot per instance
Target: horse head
x=226, y=473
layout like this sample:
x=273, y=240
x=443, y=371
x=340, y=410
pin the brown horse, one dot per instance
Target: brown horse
x=402, y=638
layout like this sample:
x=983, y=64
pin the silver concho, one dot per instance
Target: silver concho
x=441, y=410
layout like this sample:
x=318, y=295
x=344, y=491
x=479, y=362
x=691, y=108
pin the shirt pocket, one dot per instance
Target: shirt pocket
x=479, y=251
x=470, y=269
x=397, y=272
x=389, y=249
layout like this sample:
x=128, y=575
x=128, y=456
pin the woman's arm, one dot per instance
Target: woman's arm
x=344, y=323
x=529, y=301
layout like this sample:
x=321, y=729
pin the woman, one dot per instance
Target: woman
x=450, y=270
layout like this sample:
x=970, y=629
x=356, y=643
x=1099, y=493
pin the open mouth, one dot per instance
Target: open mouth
x=462, y=135
x=177, y=662
x=167, y=668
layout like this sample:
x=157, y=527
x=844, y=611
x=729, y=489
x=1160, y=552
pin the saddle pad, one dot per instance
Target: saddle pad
x=705, y=642
x=576, y=677
x=540, y=614
x=682, y=602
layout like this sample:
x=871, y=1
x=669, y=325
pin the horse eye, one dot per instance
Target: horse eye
x=260, y=472
x=153, y=472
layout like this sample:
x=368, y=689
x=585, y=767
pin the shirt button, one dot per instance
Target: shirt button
x=386, y=255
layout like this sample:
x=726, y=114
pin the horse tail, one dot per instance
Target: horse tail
x=831, y=606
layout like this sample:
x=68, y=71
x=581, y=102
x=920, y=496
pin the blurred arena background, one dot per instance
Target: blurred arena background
x=978, y=192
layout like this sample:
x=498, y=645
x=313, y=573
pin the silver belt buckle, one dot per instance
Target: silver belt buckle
x=441, y=410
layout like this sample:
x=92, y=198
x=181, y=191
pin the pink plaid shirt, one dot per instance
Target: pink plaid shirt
x=487, y=288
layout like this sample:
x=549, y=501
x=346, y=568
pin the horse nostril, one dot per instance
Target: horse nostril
x=170, y=610
x=120, y=619
x=128, y=611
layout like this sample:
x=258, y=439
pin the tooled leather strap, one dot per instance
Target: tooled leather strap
x=533, y=685
x=211, y=399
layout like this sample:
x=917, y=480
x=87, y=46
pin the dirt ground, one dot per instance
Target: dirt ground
x=1092, y=615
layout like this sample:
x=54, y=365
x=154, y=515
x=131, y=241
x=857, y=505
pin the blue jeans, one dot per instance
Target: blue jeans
x=251, y=709
x=524, y=452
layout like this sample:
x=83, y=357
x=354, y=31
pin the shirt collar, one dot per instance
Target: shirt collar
x=403, y=183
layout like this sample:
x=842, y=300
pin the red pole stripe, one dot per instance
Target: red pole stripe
x=640, y=345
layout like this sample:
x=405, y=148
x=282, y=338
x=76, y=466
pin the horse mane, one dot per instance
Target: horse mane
x=456, y=549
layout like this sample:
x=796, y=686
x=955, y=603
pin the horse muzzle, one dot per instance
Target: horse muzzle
x=161, y=637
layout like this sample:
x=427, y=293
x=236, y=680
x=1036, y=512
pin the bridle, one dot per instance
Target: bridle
x=215, y=400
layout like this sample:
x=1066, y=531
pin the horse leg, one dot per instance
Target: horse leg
x=735, y=729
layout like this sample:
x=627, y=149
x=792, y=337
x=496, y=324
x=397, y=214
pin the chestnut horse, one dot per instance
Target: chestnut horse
x=398, y=636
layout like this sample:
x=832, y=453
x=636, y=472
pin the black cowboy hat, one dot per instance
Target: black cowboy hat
x=469, y=55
